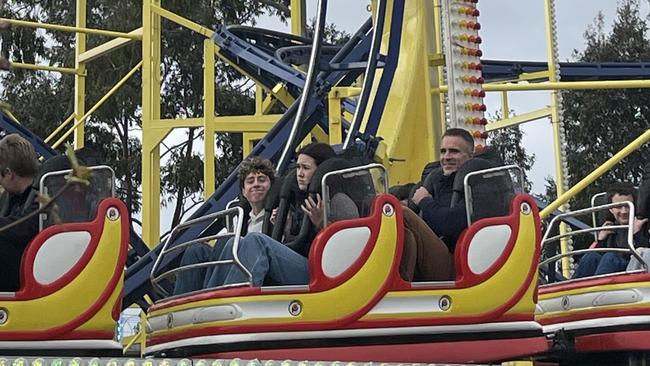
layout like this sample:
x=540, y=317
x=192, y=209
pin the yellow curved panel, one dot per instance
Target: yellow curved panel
x=491, y=294
x=76, y=297
x=326, y=305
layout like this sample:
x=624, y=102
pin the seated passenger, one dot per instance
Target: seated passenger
x=596, y=263
x=456, y=147
x=255, y=178
x=18, y=167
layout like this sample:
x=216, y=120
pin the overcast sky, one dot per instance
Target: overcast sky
x=511, y=30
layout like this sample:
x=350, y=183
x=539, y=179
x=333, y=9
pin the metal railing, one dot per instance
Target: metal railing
x=157, y=278
x=629, y=227
x=351, y=172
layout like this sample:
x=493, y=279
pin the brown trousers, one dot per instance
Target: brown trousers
x=425, y=256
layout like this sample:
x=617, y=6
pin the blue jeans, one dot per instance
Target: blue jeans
x=265, y=258
x=593, y=264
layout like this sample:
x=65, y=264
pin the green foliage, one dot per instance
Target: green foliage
x=601, y=122
x=43, y=100
x=509, y=147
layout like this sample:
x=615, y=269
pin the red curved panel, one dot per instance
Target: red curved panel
x=321, y=282
x=33, y=291
x=593, y=282
x=439, y=352
x=615, y=341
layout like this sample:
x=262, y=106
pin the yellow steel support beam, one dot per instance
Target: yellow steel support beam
x=249, y=141
x=181, y=21
x=563, y=85
x=59, y=129
x=335, y=112
x=282, y=95
x=604, y=168
x=108, y=47
x=80, y=77
x=335, y=119
x=63, y=70
x=438, y=79
x=151, y=137
x=298, y=17
x=65, y=28
x=505, y=107
x=259, y=100
x=236, y=124
x=516, y=120
x=208, y=113
x=97, y=105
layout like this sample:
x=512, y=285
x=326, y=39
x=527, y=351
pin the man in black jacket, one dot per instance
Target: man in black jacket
x=456, y=147
x=18, y=167
x=598, y=263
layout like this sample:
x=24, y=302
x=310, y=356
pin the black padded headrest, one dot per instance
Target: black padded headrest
x=433, y=176
x=643, y=194
x=53, y=164
x=325, y=167
x=471, y=165
x=289, y=185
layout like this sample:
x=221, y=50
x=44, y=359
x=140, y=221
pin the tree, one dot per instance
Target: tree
x=600, y=122
x=42, y=100
x=509, y=147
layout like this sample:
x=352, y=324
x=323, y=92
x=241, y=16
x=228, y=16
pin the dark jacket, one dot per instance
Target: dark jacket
x=447, y=222
x=619, y=240
x=14, y=241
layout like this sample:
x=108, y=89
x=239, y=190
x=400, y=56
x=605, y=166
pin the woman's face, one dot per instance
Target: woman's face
x=306, y=168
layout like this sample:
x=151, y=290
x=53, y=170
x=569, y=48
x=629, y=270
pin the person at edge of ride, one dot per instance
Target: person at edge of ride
x=456, y=147
x=255, y=178
x=18, y=167
x=596, y=263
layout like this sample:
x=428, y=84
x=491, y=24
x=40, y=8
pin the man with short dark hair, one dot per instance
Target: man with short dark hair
x=18, y=167
x=456, y=147
x=255, y=178
x=595, y=263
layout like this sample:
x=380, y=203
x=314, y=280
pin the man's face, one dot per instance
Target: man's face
x=256, y=186
x=622, y=213
x=454, y=152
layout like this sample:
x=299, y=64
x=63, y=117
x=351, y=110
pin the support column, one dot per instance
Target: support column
x=150, y=137
x=80, y=76
x=209, y=170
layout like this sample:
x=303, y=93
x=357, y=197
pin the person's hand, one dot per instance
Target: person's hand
x=274, y=216
x=419, y=195
x=314, y=209
x=638, y=224
x=603, y=234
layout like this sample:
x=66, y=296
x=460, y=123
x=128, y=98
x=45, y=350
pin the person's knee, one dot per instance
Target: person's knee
x=195, y=253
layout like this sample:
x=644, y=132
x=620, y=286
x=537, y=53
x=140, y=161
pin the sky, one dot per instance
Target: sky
x=511, y=30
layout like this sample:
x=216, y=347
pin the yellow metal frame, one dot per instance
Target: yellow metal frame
x=391, y=151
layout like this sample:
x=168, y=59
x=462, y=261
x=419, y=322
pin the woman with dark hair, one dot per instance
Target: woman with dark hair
x=268, y=259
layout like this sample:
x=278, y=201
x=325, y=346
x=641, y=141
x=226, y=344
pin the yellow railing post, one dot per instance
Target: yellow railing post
x=80, y=76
